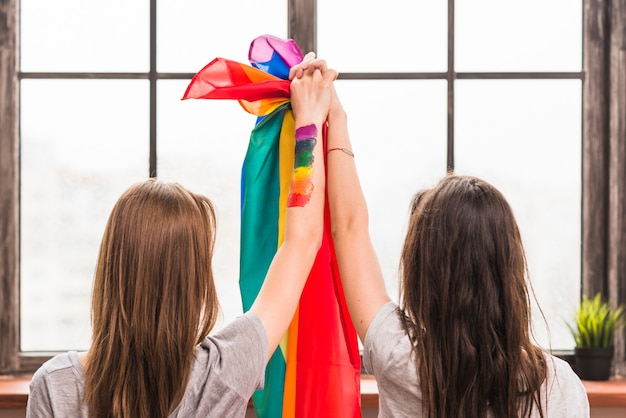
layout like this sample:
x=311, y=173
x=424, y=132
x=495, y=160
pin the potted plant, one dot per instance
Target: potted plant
x=595, y=324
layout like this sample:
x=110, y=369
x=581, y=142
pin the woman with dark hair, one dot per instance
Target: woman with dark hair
x=459, y=344
x=154, y=300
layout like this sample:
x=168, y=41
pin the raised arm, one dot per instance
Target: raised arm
x=278, y=298
x=360, y=271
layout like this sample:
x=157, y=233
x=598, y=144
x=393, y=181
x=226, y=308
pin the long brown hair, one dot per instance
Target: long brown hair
x=466, y=303
x=153, y=301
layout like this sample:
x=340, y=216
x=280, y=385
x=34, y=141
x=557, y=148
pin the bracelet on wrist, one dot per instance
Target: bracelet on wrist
x=344, y=150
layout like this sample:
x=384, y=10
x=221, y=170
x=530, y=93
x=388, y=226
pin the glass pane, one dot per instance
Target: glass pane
x=84, y=36
x=531, y=35
x=389, y=36
x=193, y=32
x=81, y=147
x=202, y=145
x=398, y=132
x=525, y=138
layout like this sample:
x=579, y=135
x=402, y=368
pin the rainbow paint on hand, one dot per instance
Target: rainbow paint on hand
x=301, y=184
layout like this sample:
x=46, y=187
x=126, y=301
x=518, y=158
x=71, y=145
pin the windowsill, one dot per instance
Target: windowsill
x=14, y=392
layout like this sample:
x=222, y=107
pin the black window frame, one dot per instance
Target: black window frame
x=599, y=250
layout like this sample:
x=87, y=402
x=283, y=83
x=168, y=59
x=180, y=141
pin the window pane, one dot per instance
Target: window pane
x=389, y=36
x=525, y=138
x=193, y=32
x=530, y=35
x=81, y=147
x=84, y=36
x=398, y=131
x=202, y=145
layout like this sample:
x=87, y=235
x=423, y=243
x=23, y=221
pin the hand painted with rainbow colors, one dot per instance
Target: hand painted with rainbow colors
x=310, y=101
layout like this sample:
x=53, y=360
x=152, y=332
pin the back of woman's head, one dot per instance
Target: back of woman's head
x=465, y=297
x=153, y=301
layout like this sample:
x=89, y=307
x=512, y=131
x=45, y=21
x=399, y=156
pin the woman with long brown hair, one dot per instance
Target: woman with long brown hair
x=458, y=345
x=154, y=300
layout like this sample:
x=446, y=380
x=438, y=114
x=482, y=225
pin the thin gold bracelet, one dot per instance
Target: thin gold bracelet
x=345, y=151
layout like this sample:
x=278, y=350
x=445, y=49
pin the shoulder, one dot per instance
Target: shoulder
x=560, y=373
x=386, y=321
x=228, y=366
x=387, y=315
x=388, y=355
x=57, y=385
x=386, y=341
x=59, y=366
x=240, y=348
x=564, y=390
x=245, y=329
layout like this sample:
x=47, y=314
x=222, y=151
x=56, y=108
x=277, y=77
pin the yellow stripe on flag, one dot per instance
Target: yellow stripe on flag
x=262, y=107
x=289, y=343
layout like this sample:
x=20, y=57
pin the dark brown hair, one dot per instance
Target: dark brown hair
x=153, y=301
x=466, y=303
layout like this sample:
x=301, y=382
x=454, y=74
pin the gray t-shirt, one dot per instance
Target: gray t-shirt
x=387, y=355
x=227, y=368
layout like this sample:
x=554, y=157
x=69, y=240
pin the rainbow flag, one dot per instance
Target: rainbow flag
x=315, y=372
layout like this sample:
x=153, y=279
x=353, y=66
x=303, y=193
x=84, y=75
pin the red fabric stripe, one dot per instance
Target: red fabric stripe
x=328, y=370
x=226, y=79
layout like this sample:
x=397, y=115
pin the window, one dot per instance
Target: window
x=429, y=86
x=100, y=109
x=463, y=85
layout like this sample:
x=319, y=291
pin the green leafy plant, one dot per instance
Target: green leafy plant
x=596, y=323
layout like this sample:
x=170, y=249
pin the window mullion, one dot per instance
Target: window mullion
x=302, y=15
x=9, y=186
x=451, y=78
x=153, y=88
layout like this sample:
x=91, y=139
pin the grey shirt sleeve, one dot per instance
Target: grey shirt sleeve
x=39, y=404
x=564, y=395
x=243, y=352
x=387, y=354
x=228, y=367
x=382, y=339
x=57, y=388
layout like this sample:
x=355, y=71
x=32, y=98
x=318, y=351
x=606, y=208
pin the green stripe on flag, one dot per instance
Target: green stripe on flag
x=259, y=240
